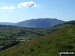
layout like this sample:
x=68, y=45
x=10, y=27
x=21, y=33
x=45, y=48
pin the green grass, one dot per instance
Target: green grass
x=50, y=45
x=9, y=33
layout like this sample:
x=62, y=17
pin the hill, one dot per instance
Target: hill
x=12, y=35
x=49, y=45
x=40, y=23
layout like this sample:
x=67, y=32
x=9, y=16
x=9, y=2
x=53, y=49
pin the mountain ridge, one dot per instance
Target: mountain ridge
x=40, y=23
x=36, y=23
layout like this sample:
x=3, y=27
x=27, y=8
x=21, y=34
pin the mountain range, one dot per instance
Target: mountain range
x=36, y=23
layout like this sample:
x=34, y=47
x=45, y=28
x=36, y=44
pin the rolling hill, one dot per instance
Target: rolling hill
x=10, y=35
x=49, y=45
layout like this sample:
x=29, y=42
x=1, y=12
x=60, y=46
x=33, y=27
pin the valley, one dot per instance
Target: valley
x=20, y=41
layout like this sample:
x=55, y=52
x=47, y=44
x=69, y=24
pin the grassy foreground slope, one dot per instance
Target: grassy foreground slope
x=10, y=35
x=50, y=45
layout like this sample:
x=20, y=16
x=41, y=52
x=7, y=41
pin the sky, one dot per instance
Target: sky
x=20, y=10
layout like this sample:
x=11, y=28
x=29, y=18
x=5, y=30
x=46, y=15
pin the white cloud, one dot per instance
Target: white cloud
x=27, y=4
x=8, y=8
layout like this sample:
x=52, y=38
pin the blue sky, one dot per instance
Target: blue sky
x=20, y=10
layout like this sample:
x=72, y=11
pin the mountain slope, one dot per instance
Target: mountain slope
x=10, y=35
x=50, y=45
x=40, y=23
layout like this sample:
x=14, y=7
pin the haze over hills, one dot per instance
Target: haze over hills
x=49, y=45
x=6, y=23
x=36, y=23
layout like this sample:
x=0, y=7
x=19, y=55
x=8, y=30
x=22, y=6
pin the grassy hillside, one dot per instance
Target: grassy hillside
x=10, y=35
x=60, y=26
x=50, y=45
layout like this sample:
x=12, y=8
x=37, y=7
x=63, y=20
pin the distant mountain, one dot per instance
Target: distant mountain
x=40, y=23
x=6, y=23
x=36, y=23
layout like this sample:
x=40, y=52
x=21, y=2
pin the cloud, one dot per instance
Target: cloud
x=8, y=8
x=27, y=4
